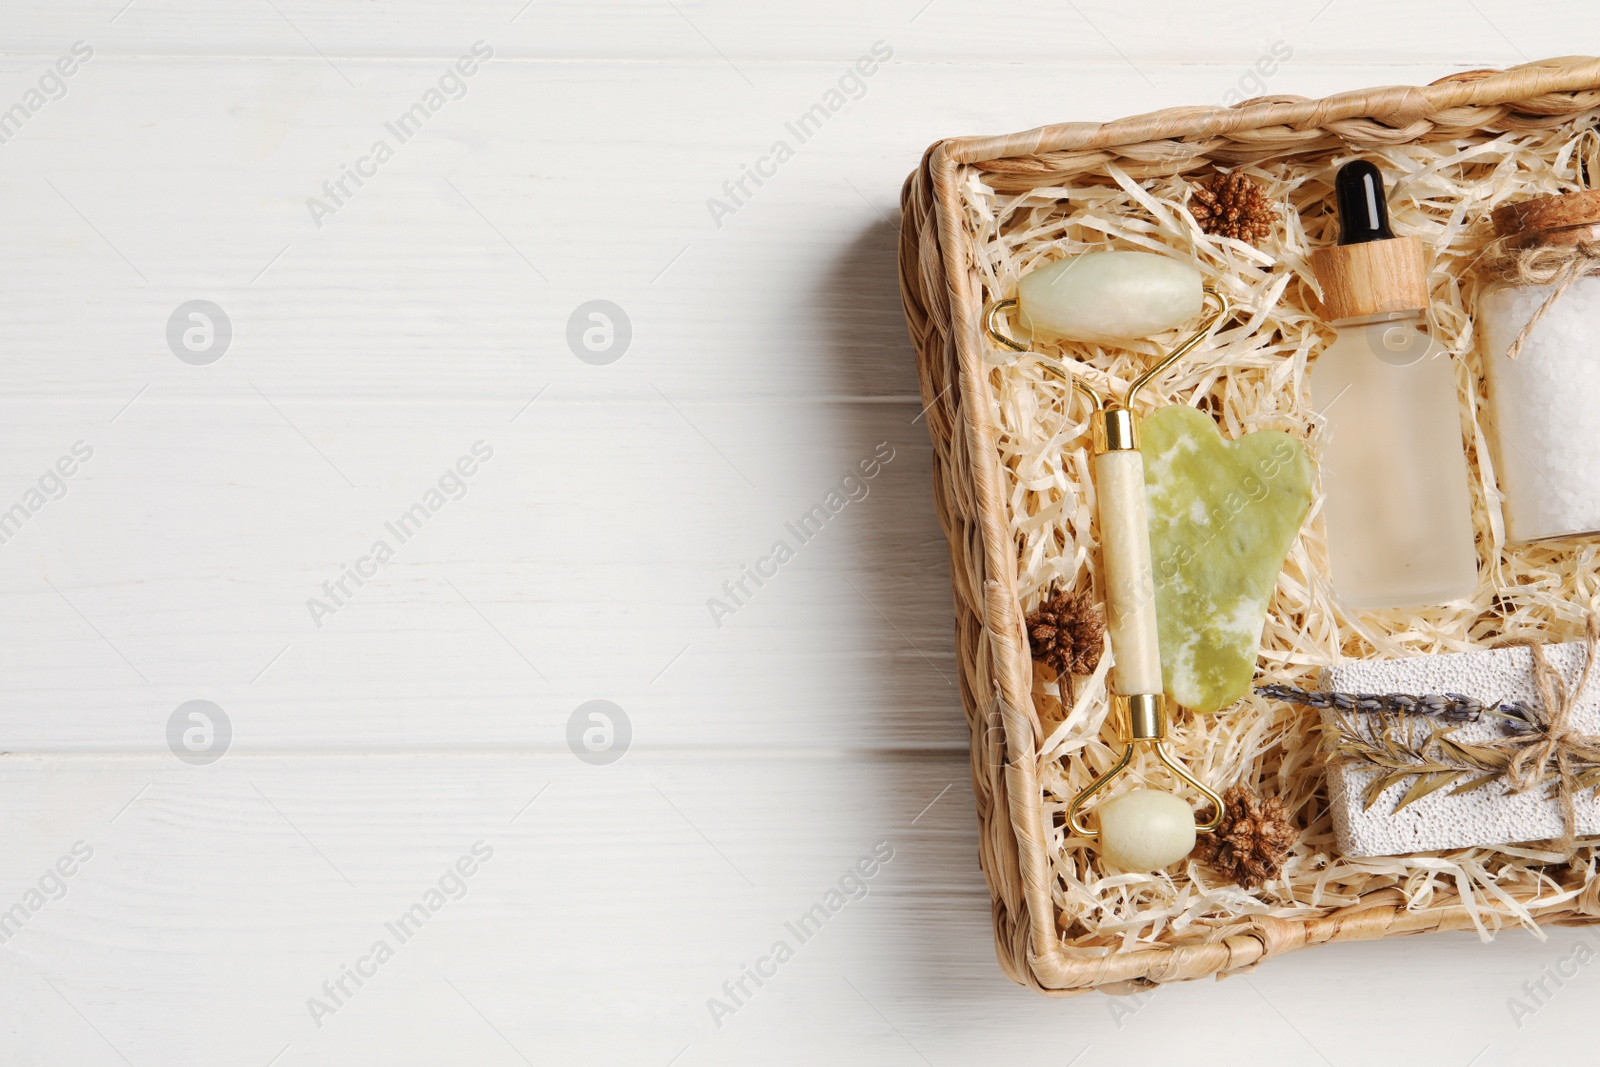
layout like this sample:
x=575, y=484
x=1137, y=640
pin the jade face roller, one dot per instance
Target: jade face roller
x=1106, y=297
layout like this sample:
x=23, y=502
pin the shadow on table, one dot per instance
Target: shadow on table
x=931, y=937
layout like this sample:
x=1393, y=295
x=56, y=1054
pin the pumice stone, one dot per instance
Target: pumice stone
x=1145, y=830
x=1109, y=296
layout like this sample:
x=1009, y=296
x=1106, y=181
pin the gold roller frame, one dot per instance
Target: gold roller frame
x=1136, y=683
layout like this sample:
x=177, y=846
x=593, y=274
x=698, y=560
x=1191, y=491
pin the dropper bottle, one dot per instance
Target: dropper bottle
x=1396, y=503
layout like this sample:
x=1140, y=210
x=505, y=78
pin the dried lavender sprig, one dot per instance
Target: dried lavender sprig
x=1515, y=716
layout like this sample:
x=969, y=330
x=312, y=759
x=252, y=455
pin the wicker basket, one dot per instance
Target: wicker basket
x=944, y=300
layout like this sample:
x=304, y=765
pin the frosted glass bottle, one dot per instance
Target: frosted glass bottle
x=1396, y=507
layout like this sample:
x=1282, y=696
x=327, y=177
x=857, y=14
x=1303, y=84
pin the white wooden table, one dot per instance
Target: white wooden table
x=359, y=342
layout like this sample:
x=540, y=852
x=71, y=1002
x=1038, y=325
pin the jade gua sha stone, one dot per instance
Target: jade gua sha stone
x=1222, y=516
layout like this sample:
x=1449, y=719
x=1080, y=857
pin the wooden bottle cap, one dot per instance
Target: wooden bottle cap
x=1562, y=219
x=1372, y=278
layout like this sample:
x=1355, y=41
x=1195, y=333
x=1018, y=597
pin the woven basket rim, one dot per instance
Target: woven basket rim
x=943, y=304
x=1393, y=104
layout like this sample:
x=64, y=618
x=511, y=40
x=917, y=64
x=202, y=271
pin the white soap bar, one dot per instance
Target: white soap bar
x=1491, y=815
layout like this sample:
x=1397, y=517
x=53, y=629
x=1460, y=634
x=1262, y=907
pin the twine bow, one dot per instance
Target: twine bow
x=1560, y=265
x=1557, y=741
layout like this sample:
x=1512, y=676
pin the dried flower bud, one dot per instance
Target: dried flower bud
x=1253, y=840
x=1067, y=634
x=1229, y=204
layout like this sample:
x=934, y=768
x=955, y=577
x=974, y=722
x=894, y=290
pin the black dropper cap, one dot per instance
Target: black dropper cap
x=1363, y=211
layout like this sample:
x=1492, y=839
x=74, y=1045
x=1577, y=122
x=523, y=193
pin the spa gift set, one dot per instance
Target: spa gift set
x=1268, y=446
